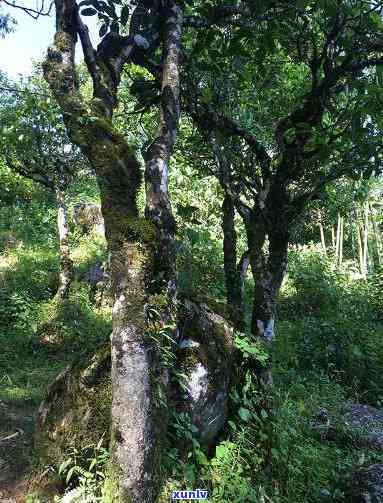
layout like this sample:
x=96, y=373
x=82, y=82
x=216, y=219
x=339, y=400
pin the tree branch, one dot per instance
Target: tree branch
x=33, y=175
x=34, y=13
x=208, y=118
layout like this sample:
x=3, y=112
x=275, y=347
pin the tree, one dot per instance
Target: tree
x=140, y=247
x=34, y=144
x=298, y=138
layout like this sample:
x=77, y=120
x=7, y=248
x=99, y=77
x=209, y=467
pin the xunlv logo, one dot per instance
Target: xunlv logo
x=198, y=494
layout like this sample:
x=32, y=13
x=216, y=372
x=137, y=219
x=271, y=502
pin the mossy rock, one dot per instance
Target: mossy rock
x=206, y=358
x=366, y=485
x=76, y=410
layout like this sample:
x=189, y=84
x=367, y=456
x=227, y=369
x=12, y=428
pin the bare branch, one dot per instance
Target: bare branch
x=88, y=50
x=34, y=13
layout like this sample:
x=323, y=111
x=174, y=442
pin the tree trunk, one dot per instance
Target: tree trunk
x=158, y=208
x=341, y=238
x=377, y=239
x=360, y=249
x=337, y=240
x=233, y=274
x=268, y=272
x=66, y=264
x=242, y=271
x=365, y=240
x=333, y=237
x=321, y=231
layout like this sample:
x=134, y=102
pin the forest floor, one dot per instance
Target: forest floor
x=16, y=441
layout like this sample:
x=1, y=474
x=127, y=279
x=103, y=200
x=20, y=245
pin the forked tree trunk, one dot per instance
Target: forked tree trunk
x=66, y=264
x=268, y=269
x=131, y=241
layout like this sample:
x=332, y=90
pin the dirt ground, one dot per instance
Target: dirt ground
x=16, y=437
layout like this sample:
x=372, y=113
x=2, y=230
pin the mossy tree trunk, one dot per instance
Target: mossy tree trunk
x=140, y=248
x=234, y=271
x=158, y=209
x=267, y=230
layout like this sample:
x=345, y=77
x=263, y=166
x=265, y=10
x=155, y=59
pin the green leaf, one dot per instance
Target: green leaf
x=221, y=451
x=244, y=414
x=64, y=465
x=201, y=457
x=70, y=473
x=124, y=15
x=88, y=12
x=232, y=425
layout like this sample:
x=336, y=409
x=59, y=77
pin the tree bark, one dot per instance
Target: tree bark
x=333, y=237
x=268, y=269
x=337, y=240
x=158, y=208
x=377, y=238
x=242, y=268
x=66, y=264
x=234, y=273
x=360, y=249
x=365, y=239
x=341, y=239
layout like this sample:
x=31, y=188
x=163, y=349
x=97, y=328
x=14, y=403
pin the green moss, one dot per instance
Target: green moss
x=63, y=41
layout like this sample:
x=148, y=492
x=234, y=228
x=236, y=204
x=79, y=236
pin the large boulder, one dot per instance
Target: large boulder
x=366, y=423
x=89, y=218
x=366, y=485
x=359, y=422
x=205, y=360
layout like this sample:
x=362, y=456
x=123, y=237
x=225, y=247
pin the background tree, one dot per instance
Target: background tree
x=34, y=144
x=317, y=130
